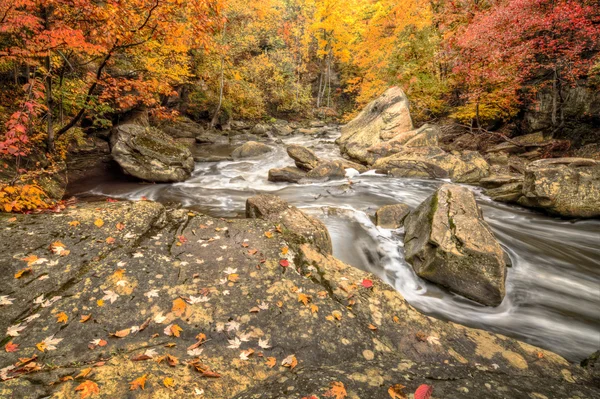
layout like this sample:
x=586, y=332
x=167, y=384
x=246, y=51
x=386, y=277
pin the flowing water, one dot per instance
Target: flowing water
x=553, y=287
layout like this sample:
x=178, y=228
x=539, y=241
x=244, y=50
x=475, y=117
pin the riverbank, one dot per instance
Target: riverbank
x=132, y=283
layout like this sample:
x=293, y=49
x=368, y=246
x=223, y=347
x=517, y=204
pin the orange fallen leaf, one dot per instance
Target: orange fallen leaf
x=372, y=327
x=100, y=302
x=234, y=277
x=172, y=360
x=21, y=272
x=284, y=250
x=11, y=347
x=110, y=240
x=278, y=228
x=395, y=391
x=179, y=307
x=168, y=382
x=62, y=317
x=305, y=299
x=122, y=333
x=84, y=373
x=337, y=390
x=87, y=388
x=74, y=223
x=271, y=361
x=314, y=308
x=252, y=251
x=31, y=259
x=290, y=362
x=120, y=226
x=85, y=317
x=176, y=330
x=138, y=383
x=396, y=319
x=99, y=222
x=268, y=234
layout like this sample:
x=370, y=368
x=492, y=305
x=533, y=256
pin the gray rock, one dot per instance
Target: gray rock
x=391, y=216
x=288, y=174
x=448, y=243
x=250, y=150
x=260, y=129
x=149, y=154
x=327, y=171
x=303, y=157
x=182, y=128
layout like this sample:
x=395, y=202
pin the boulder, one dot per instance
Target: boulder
x=282, y=128
x=328, y=171
x=448, y=243
x=567, y=187
x=381, y=120
x=211, y=137
x=426, y=136
x=149, y=154
x=391, y=216
x=260, y=129
x=251, y=149
x=302, y=227
x=182, y=128
x=303, y=157
x=312, y=131
x=289, y=174
x=433, y=162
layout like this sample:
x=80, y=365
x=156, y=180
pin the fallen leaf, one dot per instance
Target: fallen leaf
x=284, y=250
x=74, y=223
x=122, y=333
x=110, y=240
x=172, y=360
x=21, y=272
x=424, y=391
x=268, y=234
x=271, y=362
x=173, y=330
x=284, y=263
x=290, y=362
x=11, y=347
x=314, y=308
x=84, y=373
x=85, y=317
x=372, y=327
x=99, y=222
x=305, y=299
x=337, y=390
x=169, y=382
x=87, y=388
x=252, y=251
x=62, y=317
x=49, y=344
x=395, y=391
x=120, y=226
x=233, y=277
x=138, y=383
x=367, y=283
x=178, y=307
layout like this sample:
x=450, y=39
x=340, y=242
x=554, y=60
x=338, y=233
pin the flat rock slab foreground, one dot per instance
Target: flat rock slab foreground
x=106, y=298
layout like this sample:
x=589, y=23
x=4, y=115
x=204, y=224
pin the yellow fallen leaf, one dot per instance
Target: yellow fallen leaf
x=395, y=391
x=175, y=330
x=284, y=250
x=337, y=390
x=314, y=308
x=168, y=382
x=305, y=299
x=99, y=222
x=21, y=272
x=138, y=383
x=74, y=223
x=271, y=361
x=100, y=302
x=62, y=317
x=84, y=373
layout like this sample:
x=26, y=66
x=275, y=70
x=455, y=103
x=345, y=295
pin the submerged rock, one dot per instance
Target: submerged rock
x=448, y=243
x=289, y=174
x=149, y=154
x=563, y=186
x=303, y=157
x=251, y=149
x=391, y=216
x=381, y=120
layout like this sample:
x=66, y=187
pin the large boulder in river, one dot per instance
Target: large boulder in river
x=149, y=154
x=425, y=136
x=448, y=243
x=564, y=186
x=251, y=149
x=303, y=157
x=328, y=171
x=289, y=174
x=391, y=216
x=302, y=227
x=381, y=120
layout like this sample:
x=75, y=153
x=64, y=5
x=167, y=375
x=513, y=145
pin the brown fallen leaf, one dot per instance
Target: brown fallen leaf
x=252, y=251
x=395, y=391
x=172, y=360
x=85, y=317
x=120, y=226
x=87, y=388
x=110, y=240
x=122, y=333
x=138, y=383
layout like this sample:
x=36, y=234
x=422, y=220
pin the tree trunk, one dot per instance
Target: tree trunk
x=48, y=84
x=215, y=117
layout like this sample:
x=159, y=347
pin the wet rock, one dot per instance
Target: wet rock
x=474, y=167
x=260, y=129
x=282, y=128
x=188, y=142
x=391, y=216
x=313, y=131
x=563, y=186
x=302, y=227
x=250, y=150
x=327, y=171
x=242, y=138
x=448, y=243
x=303, y=157
x=496, y=181
x=352, y=165
x=381, y=120
x=149, y=154
x=166, y=268
x=182, y=128
x=288, y=174
x=212, y=137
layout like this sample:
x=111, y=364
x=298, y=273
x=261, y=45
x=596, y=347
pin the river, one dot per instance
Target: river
x=553, y=287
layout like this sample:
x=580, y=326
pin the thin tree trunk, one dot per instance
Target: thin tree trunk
x=48, y=80
x=215, y=117
x=555, y=99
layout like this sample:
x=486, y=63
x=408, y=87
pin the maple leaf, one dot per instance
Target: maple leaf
x=62, y=317
x=84, y=373
x=14, y=331
x=98, y=342
x=195, y=352
x=138, y=383
x=264, y=343
x=337, y=390
x=245, y=355
x=59, y=248
x=268, y=234
x=433, y=340
x=173, y=330
x=87, y=388
x=305, y=299
x=110, y=296
x=179, y=307
x=99, y=222
x=284, y=250
x=233, y=326
x=424, y=391
x=395, y=391
x=48, y=344
x=151, y=294
x=159, y=318
x=11, y=347
x=290, y=362
x=234, y=343
x=233, y=277
x=120, y=226
x=74, y=223
x=271, y=362
x=5, y=300
x=110, y=240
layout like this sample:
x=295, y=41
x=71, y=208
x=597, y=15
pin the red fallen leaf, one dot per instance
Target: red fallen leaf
x=141, y=357
x=367, y=283
x=10, y=347
x=284, y=263
x=111, y=200
x=424, y=391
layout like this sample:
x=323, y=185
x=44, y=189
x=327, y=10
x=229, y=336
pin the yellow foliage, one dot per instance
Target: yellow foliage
x=20, y=198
